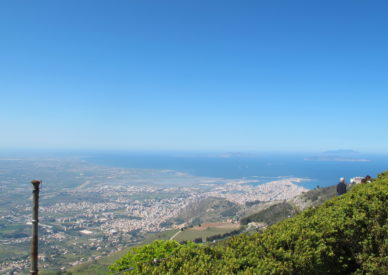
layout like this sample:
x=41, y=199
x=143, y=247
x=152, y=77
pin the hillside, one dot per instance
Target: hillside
x=100, y=266
x=274, y=212
x=271, y=214
x=314, y=197
x=210, y=210
x=207, y=210
x=213, y=209
x=345, y=235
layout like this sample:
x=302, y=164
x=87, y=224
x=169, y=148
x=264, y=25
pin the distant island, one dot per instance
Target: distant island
x=341, y=152
x=341, y=155
x=335, y=158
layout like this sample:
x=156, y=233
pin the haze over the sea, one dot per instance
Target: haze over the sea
x=263, y=167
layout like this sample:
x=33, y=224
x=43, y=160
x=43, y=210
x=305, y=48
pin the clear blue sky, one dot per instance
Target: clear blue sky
x=194, y=75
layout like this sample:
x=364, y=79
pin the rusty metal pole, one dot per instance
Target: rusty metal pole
x=34, y=246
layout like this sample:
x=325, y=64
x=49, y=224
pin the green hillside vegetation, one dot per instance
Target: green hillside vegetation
x=314, y=197
x=274, y=213
x=345, y=235
x=207, y=210
x=213, y=209
x=100, y=266
x=203, y=233
x=148, y=254
x=271, y=215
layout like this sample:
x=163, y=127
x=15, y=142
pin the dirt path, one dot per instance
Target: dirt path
x=176, y=234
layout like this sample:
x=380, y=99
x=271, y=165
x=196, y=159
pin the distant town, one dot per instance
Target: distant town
x=89, y=211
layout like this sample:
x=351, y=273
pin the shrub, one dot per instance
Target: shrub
x=147, y=254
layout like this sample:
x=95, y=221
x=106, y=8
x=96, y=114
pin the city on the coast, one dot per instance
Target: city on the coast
x=95, y=210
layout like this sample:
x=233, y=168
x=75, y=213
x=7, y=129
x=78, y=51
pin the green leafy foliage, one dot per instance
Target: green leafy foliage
x=345, y=235
x=147, y=254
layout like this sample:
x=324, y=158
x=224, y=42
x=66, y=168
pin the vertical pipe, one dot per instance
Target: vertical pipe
x=34, y=244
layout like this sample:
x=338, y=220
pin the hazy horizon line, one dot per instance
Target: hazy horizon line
x=74, y=150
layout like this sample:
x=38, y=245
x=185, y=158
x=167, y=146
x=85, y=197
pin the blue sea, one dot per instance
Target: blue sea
x=250, y=166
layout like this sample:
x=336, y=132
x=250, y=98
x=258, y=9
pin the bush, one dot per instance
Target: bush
x=148, y=254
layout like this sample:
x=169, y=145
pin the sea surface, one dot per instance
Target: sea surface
x=251, y=166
